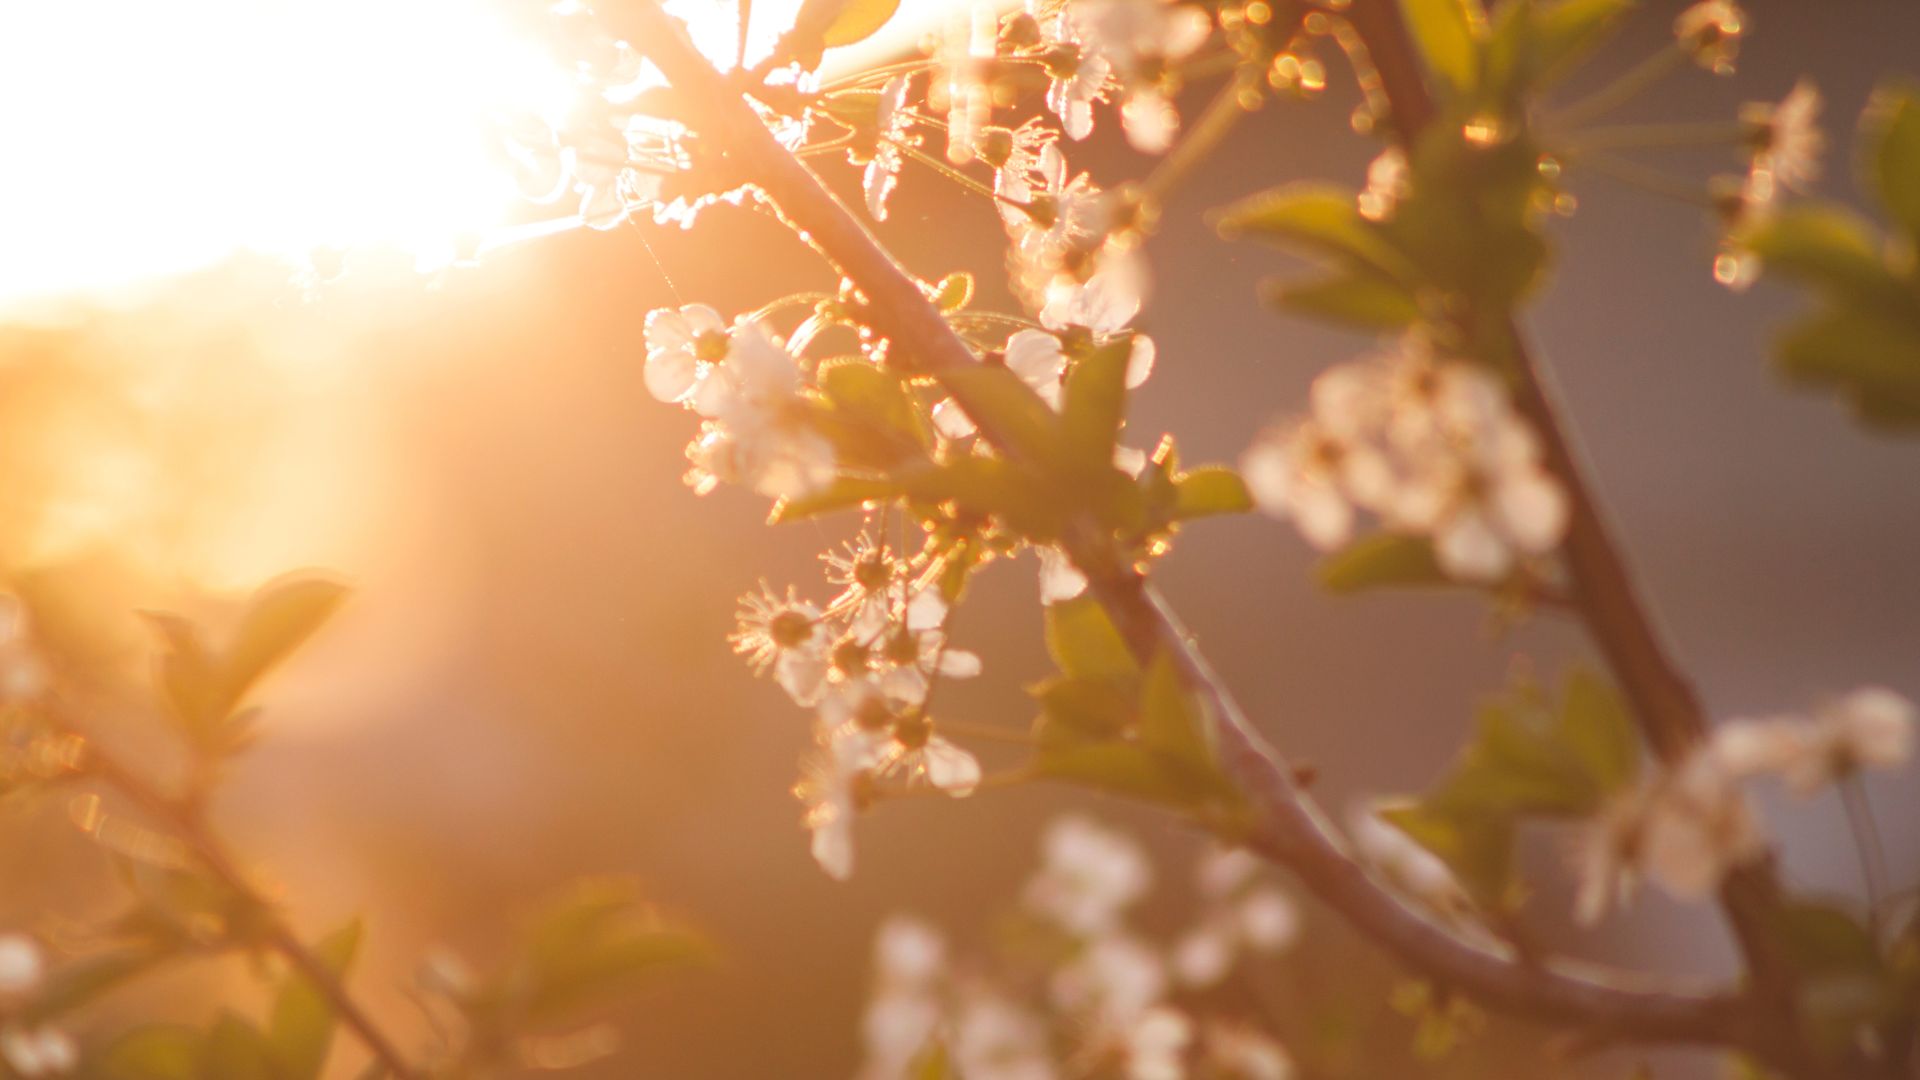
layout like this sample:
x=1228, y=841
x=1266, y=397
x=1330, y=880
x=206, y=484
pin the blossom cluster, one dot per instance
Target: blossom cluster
x=1431, y=446
x=29, y=1050
x=867, y=663
x=1692, y=824
x=1109, y=1001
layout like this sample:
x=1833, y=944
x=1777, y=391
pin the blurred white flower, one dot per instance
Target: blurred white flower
x=1076, y=78
x=1411, y=869
x=908, y=953
x=1112, y=982
x=1786, y=139
x=1869, y=728
x=36, y=1052
x=1608, y=854
x=1710, y=31
x=1240, y=1052
x=22, y=967
x=1698, y=827
x=994, y=1039
x=1388, y=181
x=1088, y=875
x=829, y=789
x=1237, y=914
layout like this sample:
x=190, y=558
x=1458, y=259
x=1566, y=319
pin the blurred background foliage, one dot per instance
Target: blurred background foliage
x=531, y=682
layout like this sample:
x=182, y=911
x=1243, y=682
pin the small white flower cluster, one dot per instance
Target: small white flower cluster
x=32, y=1051
x=1092, y=47
x=1692, y=825
x=867, y=663
x=1432, y=447
x=745, y=384
x=1107, y=1007
x=1709, y=31
x=1785, y=144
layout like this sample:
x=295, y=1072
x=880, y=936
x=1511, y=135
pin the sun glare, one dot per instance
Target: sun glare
x=147, y=139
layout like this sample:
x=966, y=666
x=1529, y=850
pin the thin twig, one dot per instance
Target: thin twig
x=1205, y=136
x=190, y=826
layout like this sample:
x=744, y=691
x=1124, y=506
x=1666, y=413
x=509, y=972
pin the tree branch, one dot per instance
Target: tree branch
x=1664, y=702
x=1290, y=828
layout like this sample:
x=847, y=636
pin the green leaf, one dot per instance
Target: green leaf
x=189, y=676
x=1023, y=499
x=885, y=425
x=282, y=616
x=858, y=20
x=235, y=1050
x=1172, y=724
x=1208, y=490
x=1093, y=405
x=1476, y=845
x=1832, y=249
x=844, y=493
x=301, y=1027
x=1875, y=360
x=1595, y=725
x=1893, y=127
x=155, y=1052
x=1564, y=33
x=1383, y=560
x=1114, y=766
x=1081, y=708
x=953, y=292
x=1444, y=30
x=1319, y=219
x=594, y=941
x=1818, y=939
x=1360, y=299
x=1084, y=642
x=1006, y=409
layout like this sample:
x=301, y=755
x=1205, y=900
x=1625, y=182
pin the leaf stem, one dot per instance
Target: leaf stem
x=1628, y=86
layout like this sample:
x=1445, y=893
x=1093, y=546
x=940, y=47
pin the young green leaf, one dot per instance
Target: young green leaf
x=1383, y=560
x=1359, y=299
x=1094, y=404
x=1317, y=219
x=154, y=1052
x=1006, y=409
x=1084, y=642
x=282, y=616
x=1209, y=490
x=1893, y=125
x=1445, y=31
x=1564, y=32
x=300, y=1030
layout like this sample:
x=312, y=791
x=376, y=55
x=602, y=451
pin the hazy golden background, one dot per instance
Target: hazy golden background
x=532, y=681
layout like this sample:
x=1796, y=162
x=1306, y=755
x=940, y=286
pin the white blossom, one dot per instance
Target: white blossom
x=22, y=967
x=1698, y=827
x=829, y=789
x=1240, y=1052
x=1237, y=914
x=893, y=126
x=1710, y=31
x=36, y=1052
x=995, y=1039
x=1869, y=728
x=1786, y=139
x=1088, y=875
